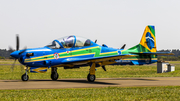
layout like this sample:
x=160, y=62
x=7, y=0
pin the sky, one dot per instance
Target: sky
x=111, y=22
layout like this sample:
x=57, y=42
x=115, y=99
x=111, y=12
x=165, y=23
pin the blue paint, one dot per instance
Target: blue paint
x=149, y=40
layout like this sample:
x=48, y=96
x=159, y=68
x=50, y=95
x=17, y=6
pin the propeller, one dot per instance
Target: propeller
x=11, y=49
x=17, y=48
x=22, y=68
x=23, y=51
x=12, y=67
x=17, y=42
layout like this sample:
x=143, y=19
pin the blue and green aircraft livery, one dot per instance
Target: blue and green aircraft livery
x=74, y=52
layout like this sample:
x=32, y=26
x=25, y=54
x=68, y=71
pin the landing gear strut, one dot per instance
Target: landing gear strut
x=25, y=76
x=91, y=76
x=54, y=74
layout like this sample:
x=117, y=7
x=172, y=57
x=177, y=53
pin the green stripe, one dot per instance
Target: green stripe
x=152, y=30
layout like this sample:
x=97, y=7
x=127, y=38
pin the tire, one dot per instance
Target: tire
x=54, y=76
x=91, y=78
x=24, y=77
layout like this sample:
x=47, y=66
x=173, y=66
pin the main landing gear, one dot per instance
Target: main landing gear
x=25, y=76
x=91, y=76
x=54, y=74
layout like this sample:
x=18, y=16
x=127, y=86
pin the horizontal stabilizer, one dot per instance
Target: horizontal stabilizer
x=153, y=53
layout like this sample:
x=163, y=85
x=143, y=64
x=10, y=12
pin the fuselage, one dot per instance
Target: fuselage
x=48, y=57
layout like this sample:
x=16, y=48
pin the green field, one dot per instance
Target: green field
x=169, y=93
x=112, y=72
x=108, y=93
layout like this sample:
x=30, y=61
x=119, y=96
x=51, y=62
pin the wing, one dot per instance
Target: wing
x=98, y=60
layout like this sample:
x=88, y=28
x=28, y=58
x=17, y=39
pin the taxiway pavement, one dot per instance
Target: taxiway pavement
x=83, y=83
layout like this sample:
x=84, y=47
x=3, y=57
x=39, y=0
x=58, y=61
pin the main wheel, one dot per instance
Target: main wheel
x=91, y=78
x=54, y=76
x=24, y=77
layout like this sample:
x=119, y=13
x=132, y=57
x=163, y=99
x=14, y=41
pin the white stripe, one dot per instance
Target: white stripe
x=150, y=38
x=38, y=50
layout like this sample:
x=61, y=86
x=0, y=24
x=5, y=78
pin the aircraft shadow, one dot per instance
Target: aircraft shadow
x=85, y=81
x=129, y=79
x=81, y=81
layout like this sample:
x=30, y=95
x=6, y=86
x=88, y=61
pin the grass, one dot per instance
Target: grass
x=95, y=94
x=7, y=61
x=112, y=72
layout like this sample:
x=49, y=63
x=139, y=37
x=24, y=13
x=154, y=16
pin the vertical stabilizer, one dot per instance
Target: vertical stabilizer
x=148, y=39
x=147, y=43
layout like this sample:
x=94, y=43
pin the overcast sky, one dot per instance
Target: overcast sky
x=112, y=22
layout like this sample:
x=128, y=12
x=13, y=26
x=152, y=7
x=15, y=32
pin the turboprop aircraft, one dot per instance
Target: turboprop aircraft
x=74, y=52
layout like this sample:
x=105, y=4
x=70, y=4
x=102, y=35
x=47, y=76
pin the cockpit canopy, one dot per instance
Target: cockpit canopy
x=70, y=41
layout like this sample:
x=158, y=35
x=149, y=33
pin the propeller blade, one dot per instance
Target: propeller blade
x=22, y=51
x=12, y=67
x=104, y=68
x=22, y=68
x=17, y=42
x=123, y=46
x=11, y=49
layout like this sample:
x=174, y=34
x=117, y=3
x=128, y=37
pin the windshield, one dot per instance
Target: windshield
x=65, y=42
x=69, y=41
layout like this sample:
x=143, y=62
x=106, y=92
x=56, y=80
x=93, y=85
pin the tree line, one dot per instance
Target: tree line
x=175, y=57
x=5, y=54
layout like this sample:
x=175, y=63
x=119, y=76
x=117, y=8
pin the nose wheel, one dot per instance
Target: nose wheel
x=25, y=76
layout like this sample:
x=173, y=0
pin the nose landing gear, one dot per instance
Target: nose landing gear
x=25, y=76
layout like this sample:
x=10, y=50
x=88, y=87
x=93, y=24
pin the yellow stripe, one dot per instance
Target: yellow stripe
x=41, y=68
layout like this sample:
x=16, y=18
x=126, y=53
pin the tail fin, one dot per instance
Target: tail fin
x=148, y=41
